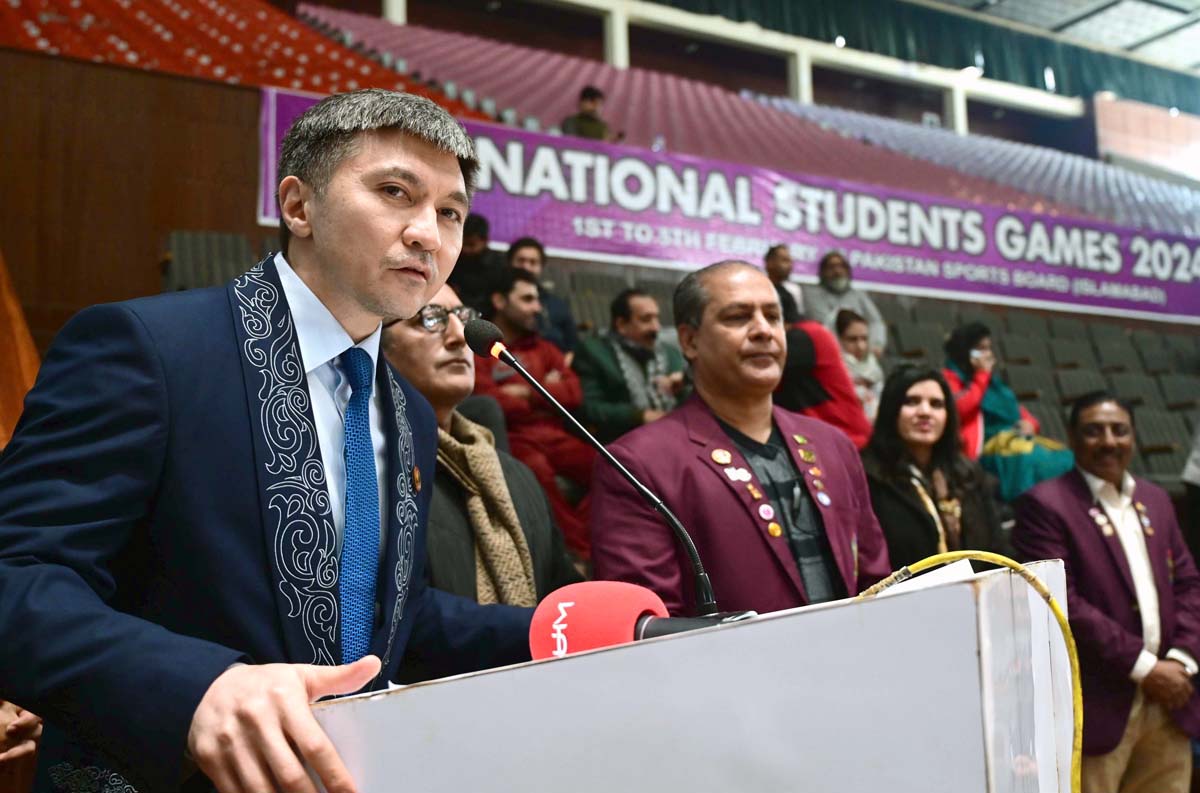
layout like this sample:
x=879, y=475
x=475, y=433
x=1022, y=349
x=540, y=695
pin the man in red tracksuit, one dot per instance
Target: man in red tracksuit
x=536, y=434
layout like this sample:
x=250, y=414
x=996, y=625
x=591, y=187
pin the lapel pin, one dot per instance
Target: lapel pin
x=800, y=439
x=737, y=474
x=824, y=498
x=766, y=511
x=755, y=493
x=774, y=529
x=416, y=478
x=806, y=455
x=722, y=456
x=814, y=471
x=818, y=484
x=1140, y=507
x=1107, y=529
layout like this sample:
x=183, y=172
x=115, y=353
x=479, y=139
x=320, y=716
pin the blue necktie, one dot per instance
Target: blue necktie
x=360, y=540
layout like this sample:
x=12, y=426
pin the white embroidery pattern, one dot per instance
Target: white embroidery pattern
x=88, y=779
x=305, y=541
x=406, y=511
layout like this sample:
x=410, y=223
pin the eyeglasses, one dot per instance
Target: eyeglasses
x=435, y=318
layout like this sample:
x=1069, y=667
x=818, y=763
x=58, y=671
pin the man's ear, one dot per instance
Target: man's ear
x=687, y=341
x=498, y=301
x=294, y=197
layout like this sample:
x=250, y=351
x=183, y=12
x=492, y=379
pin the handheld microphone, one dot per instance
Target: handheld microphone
x=594, y=614
x=485, y=339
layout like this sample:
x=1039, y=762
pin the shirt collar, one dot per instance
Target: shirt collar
x=320, y=336
x=1100, y=487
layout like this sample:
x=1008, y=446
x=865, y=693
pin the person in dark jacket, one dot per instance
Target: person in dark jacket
x=928, y=496
x=491, y=534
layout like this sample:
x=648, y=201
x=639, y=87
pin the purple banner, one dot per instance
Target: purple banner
x=588, y=200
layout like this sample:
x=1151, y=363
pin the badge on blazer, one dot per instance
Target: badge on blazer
x=800, y=439
x=737, y=474
x=755, y=493
x=824, y=498
x=416, y=478
x=818, y=484
x=774, y=529
x=766, y=511
x=722, y=456
x=806, y=455
x=814, y=471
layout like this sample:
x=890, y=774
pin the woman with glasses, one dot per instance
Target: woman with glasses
x=928, y=496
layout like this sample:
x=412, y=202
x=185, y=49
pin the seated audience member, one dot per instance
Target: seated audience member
x=777, y=503
x=778, y=264
x=815, y=382
x=862, y=365
x=478, y=265
x=491, y=537
x=536, y=434
x=996, y=428
x=629, y=377
x=556, y=323
x=823, y=301
x=928, y=496
x=586, y=122
x=1133, y=600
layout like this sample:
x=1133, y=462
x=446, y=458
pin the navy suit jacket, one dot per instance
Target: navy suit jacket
x=164, y=514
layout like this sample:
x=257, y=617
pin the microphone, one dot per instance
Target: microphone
x=485, y=339
x=594, y=614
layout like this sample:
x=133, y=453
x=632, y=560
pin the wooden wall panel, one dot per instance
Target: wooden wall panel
x=98, y=163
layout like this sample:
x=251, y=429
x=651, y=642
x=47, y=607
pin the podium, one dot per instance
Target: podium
x=961, y=686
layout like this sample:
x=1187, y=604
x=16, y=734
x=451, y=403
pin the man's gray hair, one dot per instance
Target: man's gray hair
x=691, y=297
x=328, y=132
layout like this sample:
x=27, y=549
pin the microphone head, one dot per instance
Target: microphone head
x=481, y=336
x=589, y=615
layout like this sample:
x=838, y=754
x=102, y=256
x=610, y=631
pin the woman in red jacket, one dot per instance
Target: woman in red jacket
x=996, y=428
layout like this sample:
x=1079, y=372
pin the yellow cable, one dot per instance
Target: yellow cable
x=904, y=573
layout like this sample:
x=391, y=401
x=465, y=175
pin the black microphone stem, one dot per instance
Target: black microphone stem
x=706, y=601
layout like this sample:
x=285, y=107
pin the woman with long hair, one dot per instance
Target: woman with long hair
x=928, y=496
x=997, y=430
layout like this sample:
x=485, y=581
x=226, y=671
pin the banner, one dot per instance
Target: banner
x=588, y=200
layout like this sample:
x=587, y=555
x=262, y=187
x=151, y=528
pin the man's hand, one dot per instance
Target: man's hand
x=669, y=384
x=1169, y=684
x=518, y=390
x=19, y=732
x=553, y=376
x=253, y=730
x=983, y=360
x=650, y=414
x=1024, y=427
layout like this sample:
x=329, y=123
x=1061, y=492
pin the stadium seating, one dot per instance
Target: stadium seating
x=1094, y=188
x=234, y=41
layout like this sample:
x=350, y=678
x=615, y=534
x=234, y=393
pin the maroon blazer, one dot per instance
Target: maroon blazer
x=679, y=457
x=1053, y=523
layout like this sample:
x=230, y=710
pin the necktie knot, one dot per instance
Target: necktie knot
x=357, y=364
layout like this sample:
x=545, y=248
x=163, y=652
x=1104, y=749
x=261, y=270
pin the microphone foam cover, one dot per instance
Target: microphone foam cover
x=481, y=335
x=589, y=615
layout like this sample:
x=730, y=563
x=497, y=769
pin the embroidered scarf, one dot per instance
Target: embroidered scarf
x=640, y=367
x=503, y=566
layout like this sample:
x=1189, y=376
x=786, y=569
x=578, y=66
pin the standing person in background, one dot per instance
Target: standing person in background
x=536, y=433
x=863, y=366
x=928, y=496
x=629, y=377
x=1133, y=599
x=556, y=322
x=587, y=122
x=996, y=428
x=778, y=264
x=834, y=293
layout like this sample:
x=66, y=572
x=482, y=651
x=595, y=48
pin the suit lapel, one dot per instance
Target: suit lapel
x=719, y=453
x=811, y=467
x=1091, y=508
x=296, y=519
x=404, y=481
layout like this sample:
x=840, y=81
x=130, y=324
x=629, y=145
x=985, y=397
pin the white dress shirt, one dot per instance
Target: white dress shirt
x=1119, y=507
x=322, y=339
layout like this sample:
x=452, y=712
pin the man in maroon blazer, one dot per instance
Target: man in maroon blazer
x=1133, y=599
x=776, y=502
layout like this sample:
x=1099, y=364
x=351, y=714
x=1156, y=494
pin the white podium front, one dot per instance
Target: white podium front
x=961, y=687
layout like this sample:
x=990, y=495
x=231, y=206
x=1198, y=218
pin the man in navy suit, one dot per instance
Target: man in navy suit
x=213, y=508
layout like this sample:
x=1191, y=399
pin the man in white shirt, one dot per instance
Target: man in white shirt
x=1133, y=599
